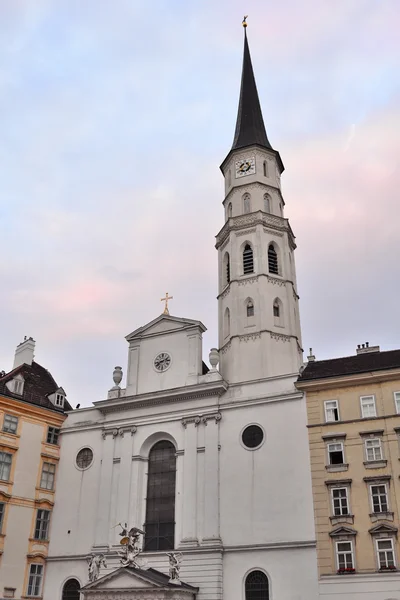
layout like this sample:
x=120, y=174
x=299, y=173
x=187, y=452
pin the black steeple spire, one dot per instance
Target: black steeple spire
x=250, y=128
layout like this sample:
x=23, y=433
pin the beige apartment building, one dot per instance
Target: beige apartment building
x=353, y=410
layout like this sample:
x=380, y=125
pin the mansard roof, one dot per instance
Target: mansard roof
x=39, y=384
x=164, y=324
x=140, y=579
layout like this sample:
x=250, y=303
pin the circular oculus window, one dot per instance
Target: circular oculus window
x=84, y=458
x=252, y=437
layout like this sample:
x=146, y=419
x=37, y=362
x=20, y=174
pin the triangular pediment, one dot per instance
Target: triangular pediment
x=383, y=528
x=164, y=324
x=343, y=531
x=128, y=578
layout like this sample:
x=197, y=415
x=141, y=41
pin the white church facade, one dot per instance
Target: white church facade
x=212, y=464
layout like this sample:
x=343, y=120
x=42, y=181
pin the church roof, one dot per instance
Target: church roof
x=250, y=129
x=163, y=324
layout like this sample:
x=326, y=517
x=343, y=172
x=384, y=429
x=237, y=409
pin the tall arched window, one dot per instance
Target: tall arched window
x=246, y=203
x=273, y=266
x=257, y=586
x=229, y=178
x=265, y=166
x=278, y=312
x=160, y=509
x=227, y=322
x=71, y=590
x=267, y=203
x=227, y=269
x=250, y=308
x=248, y=261
x=229, y=210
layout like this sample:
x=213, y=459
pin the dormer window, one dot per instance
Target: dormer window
x=18, y=386
x=59, y=401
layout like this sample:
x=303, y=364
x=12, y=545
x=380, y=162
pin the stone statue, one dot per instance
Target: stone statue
x=95, y=561
x=175, y=559
x=131, y=546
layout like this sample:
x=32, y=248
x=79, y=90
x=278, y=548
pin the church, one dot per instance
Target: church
x=193, y=481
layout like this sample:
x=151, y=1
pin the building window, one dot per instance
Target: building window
x=379, y=498
x=273, y=266
x=252, y=437
x=42, y=524
x=344, y=556
x=265, y=168
x=227, y=269
x=229, y=178
x=2, y=511
x=385, y=553
x=257, y=586
x=52, y=435
x=160, y=509
x=368, y=408
x=47, y=478
x=246, y=203
x=267, y=203
x=5, y=466
x=250, y=308
x=18, y=386
x=373, y=449
x=248, y=261
x=59, y=400
x=35, y=580
x=340, y=502
x=227, y=322
x=277, y=312
x=10, y=424
x=84, y=458
x=71, y=590
x=331, y=411
x=397, y=401
x=335, y=454
x=229, y=210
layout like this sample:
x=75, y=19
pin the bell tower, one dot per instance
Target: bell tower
x=258, y=311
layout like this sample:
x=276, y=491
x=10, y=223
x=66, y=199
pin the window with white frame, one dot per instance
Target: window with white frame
x=10, y=424
x=385, y=552
x=35, y=580
x=379, y=498
x=5, y=465
x=2, y=511
x=373, y=449
x=18, y=386
x=340, y=501
x=59, y=399
x=368, y=408
x=48, y=474
x=397, y=401
x=42, y=525
x=331, y=410
x=344, y=555
x=335, y=453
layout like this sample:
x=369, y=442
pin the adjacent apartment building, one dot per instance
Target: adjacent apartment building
x=353, y=408
x=32, y=409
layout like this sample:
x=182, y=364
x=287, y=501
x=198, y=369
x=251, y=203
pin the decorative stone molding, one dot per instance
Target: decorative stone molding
x=225, y=243
x=375, y=464
x=271, y=232
x=245, y=232
x=276, y=281
x=198, y=419
x=115, y=433
x=280, y=337
x=133, y=430
x=250, y=337
x=248, y=281
x=226, y=292
x=119, y=432
x=225, y=348
x=337, y=468
x=382, y=516
x=116, y=461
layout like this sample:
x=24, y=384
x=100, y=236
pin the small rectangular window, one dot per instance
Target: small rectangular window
x=35, y=580
x=5, y=466
x=2, y=511
x=379, y=498
x=373, y=449
x=52, y=435
x=385, y=554
x=47, y=478
x=368, y=408
x=331, y=410
x=10, y=424
x=344, y=556
x=18, y=386
x=340, y=502
x=59, y=400
x=335, y=453
x=42, y=524
x=397, y=401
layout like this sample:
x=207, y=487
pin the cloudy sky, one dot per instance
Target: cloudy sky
x=115, y=119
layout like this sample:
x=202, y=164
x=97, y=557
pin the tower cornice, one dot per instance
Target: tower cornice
x=252, y=219
x=254, y=185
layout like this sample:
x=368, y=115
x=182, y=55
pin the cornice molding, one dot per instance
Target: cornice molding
x=253, y=278
x=253, y=219
x=344, y=381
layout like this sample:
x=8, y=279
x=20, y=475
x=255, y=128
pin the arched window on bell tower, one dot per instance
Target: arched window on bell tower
x=265, y=168
x=226, y=269
x=278, y=312
x=160, y=507
x=267, y=203
x=248, y=260
x=273, y=264
x=246, y=203
x=249, y=308
x=227, y=323
x=229, y=212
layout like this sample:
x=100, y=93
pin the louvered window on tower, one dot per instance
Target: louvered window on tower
x=248, y=262
x=250, y=309
x=272, y=260
x=227, y=268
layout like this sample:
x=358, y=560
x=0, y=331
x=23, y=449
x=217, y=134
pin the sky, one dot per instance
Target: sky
x=115, y=119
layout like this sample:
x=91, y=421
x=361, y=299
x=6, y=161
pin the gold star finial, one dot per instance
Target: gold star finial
x=166, y=311
x=244, y=21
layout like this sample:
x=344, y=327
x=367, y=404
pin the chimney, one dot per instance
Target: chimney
x=24, y=352
x=311, y=357
x=366, y=348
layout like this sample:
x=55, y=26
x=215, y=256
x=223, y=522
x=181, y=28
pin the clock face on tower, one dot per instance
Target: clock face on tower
x=162, y=362
x=246, y=166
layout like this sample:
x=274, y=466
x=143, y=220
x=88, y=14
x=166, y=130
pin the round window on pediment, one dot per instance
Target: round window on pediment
x=84, y=458
x=252, y=437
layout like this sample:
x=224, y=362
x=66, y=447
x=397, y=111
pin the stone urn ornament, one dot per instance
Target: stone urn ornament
x=214, y=358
